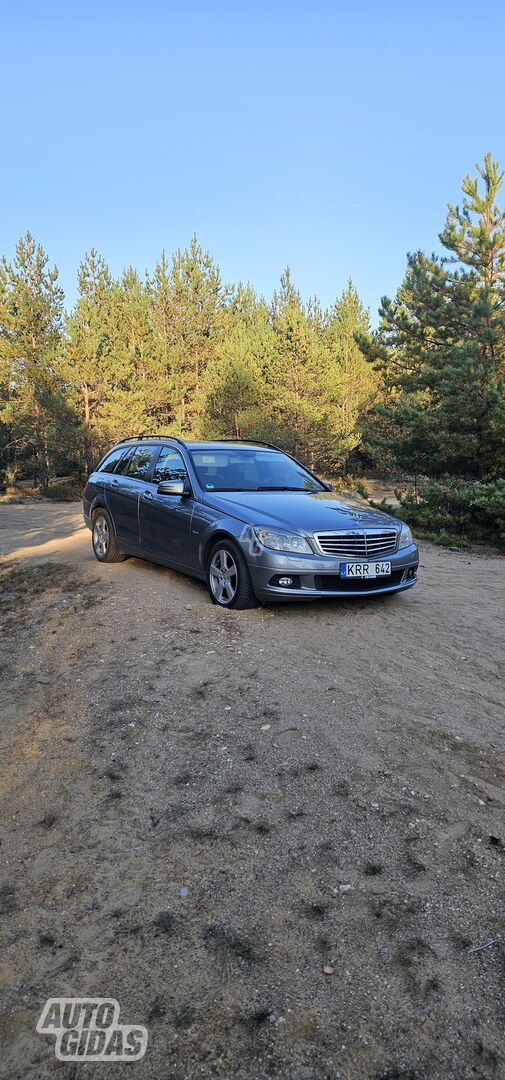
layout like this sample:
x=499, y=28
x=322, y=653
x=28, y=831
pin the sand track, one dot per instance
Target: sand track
x=260, y=760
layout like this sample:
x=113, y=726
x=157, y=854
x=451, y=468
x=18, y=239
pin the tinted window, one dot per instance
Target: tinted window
x=140, y=461
x=169, y=466
x=122, y=466
x=251, y=470
x=109, y=463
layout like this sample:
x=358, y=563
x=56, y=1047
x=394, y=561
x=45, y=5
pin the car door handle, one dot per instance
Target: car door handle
x=147, y=494
x=116, y=482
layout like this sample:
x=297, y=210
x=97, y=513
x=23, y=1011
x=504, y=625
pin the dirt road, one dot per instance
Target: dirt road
x=276, y=837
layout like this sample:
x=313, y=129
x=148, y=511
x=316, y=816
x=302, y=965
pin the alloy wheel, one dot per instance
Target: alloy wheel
x=223, y=575
x=101, y=535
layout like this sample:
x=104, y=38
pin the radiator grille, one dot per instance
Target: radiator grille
x=358, y=545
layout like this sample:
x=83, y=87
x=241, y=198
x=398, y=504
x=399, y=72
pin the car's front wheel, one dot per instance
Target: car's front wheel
x=103, y=538
x=228, y=578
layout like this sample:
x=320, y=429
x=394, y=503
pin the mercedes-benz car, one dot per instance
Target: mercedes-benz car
x=247, y=518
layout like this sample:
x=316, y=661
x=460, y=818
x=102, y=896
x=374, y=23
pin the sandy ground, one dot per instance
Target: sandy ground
x=323, y=782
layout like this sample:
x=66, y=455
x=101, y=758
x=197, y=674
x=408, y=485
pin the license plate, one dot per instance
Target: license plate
x=364, y=569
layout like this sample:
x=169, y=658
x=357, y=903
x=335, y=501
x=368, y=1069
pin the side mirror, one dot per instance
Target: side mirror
x=173, y=487
x=329, y=487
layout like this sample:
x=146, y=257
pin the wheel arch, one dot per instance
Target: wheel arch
x=217, y=534
x=99, y=503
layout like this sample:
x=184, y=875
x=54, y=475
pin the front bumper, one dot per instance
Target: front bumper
x=317, y=576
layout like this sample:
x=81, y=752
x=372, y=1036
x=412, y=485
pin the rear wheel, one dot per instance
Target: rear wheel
x=103, y=538
x=228, y=578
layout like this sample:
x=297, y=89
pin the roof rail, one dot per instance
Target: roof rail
x=143, y=435
x=255, y=442
x=177, y=439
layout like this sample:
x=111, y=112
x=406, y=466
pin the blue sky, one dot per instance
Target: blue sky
x=326, y=136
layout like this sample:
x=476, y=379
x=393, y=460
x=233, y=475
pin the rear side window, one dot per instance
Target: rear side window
x=122, y=466
x=169, y=466
x=140, y=462
x=110, y=461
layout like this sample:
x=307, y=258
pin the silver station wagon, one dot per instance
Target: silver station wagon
x=245, y=517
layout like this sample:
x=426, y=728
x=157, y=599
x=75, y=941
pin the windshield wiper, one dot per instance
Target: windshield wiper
x=215, y=491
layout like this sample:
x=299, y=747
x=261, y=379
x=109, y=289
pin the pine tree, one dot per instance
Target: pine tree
x=233, y=388
x=352, y=381
x=195, y=323
x=297, y=380
x=37, y=423
x=88, y=366
x=162, y=317
x=175, y=352
x=234, y=382
x=441, y=345
x=131, y=401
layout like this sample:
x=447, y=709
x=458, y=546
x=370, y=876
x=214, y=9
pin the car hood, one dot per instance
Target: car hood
x=305, y=511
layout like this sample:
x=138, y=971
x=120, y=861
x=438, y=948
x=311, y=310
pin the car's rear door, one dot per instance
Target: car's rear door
x=124, y=491
x=103, y=479
x=165, y=520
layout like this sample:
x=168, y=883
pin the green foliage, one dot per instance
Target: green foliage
x=64, y=492
x=440, y=352
x=36, y=420
x=360, y=489
x=440, y=348
x=234, y=390
x=453, y=511
x=176, y=351
x=188, y=305
x=489, y=503
x=353, y=382
x=297, y=405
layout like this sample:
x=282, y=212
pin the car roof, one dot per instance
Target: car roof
x=216, y=444
x=229, y=445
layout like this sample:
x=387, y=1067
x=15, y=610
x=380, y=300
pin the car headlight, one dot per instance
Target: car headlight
x=406, y=537
x=283, y=541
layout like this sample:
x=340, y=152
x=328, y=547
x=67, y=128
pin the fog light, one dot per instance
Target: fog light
x=285, y=581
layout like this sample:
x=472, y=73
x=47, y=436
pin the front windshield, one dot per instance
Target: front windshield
x=251, y=470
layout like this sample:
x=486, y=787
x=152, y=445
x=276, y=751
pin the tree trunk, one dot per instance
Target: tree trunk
x=85, y=392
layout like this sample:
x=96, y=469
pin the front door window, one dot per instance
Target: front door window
x=169, y=466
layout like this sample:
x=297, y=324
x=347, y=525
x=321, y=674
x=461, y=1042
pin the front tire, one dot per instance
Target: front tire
x=228, y=578
x=103, y=538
